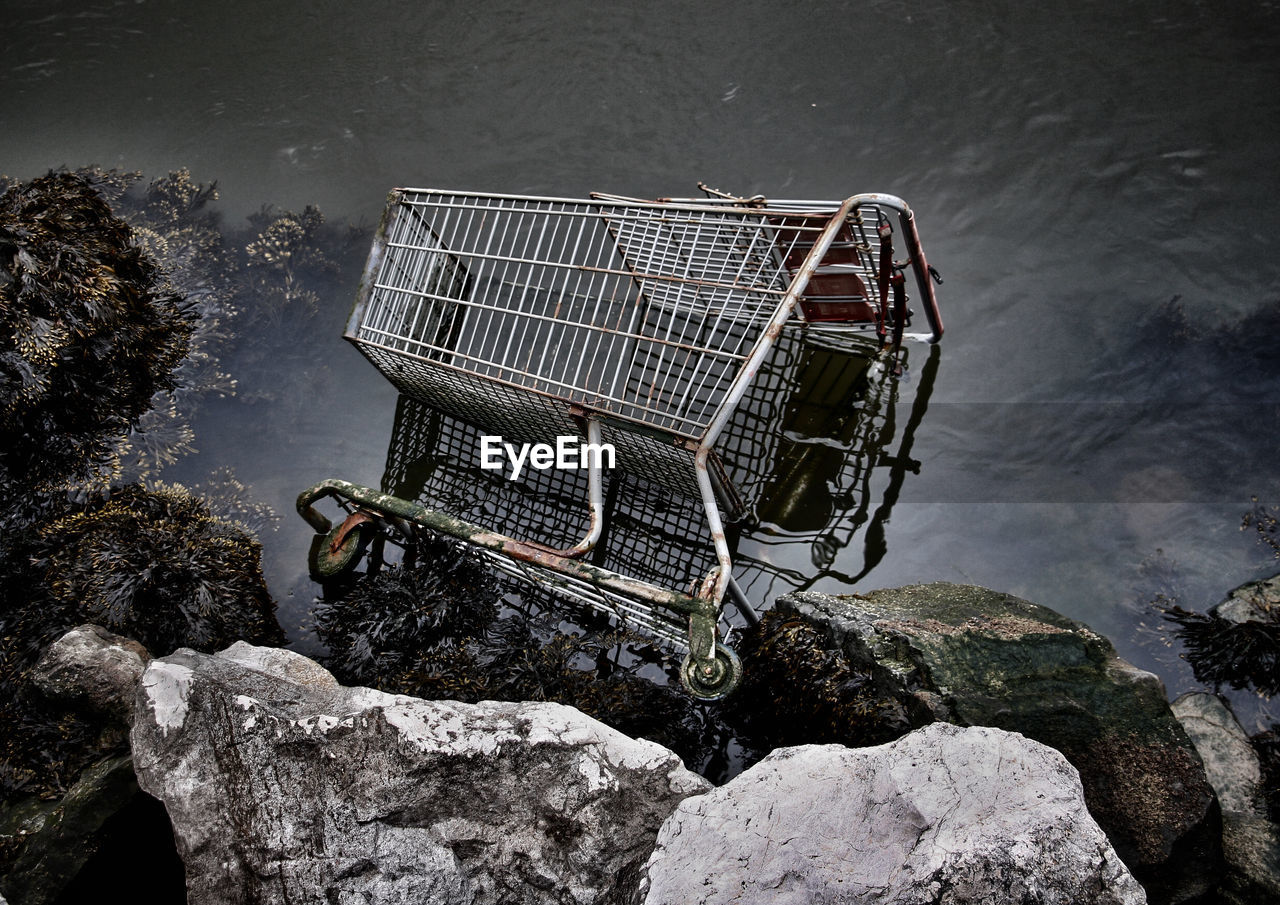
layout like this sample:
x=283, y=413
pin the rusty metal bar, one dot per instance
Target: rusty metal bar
x=444, y=523
x=739, y=386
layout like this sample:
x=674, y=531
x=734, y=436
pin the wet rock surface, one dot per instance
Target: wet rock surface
x=1251, y=842
x=284, y=786
x=944, y=814
x=44, y=843
x=1254, y=601
x=975, y=657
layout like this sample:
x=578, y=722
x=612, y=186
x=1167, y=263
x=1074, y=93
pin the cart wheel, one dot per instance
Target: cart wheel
x=725, y=674
x=327, y=563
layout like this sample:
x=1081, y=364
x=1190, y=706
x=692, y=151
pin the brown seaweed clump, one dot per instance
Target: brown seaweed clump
x=1235, y=654
x=154, y=564
x=798, y=690
x=89, y=331
x=387, y=620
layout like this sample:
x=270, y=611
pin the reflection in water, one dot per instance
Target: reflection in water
x=800, y=452
x=838, y=424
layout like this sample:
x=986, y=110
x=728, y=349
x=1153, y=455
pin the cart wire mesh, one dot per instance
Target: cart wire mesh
x=642, y=311
x=813, y=427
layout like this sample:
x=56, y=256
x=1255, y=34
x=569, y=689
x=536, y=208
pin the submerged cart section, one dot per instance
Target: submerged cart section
x=636, y=325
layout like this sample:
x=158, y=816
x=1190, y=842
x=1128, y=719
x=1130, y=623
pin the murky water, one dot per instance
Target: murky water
x=1095, y=181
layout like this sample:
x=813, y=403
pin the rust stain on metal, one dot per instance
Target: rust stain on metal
x=349, y=524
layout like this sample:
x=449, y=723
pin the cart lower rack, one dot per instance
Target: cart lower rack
x=623, y=325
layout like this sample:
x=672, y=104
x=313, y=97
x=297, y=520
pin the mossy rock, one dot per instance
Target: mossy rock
x=976, y=657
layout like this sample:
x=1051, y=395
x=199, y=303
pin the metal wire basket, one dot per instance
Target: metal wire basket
x=632, y=325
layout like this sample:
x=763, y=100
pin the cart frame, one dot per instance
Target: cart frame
x=418, y=300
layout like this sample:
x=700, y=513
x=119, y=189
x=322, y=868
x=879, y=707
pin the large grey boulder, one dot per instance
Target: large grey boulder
x=1251, y=842
x=975, y=657
x=283, y=786
x=943, y=815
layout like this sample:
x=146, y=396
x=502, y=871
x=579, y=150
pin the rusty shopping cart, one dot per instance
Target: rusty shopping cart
x=611, y=331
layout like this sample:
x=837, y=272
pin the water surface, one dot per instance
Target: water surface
x=1095, y=181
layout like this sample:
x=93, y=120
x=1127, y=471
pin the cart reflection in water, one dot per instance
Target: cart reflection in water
x=740, y=357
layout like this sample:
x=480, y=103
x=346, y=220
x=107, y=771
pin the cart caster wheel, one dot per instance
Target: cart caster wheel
x=714, y=680
x=327, y=563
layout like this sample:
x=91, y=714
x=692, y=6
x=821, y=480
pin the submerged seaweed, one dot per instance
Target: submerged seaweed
x=1236, y=654
x=443, y=629
x=111, y=326
x=392, y=618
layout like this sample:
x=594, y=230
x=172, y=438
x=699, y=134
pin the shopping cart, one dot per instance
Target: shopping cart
x=623, y=326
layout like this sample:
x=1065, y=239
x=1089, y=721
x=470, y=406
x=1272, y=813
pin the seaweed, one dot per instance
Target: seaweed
x=1223, y=652
x=156, y=565
x=389, y=619
x=90, y=331
x=799, y=690
x=1266, y=525
x=151, y=563
x=283, y=261
x=447, y=628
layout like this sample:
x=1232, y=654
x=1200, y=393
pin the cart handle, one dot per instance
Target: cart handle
x=920, y=267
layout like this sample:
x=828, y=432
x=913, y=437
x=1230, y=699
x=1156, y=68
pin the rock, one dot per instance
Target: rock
x=975, y=657
x=53, y=839
x=1251, y=842
x=93, y=669
x=1252, y=846
x=1230, y=762
x=284, y=786
x=1254, y=601
x=944, y=814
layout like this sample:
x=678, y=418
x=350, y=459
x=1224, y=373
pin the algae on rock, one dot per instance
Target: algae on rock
x=976, y=657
